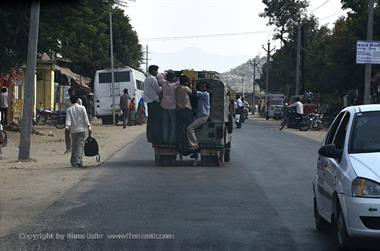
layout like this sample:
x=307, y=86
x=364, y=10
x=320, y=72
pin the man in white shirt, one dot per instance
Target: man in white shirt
x=77, y=123
x=299, y=106
x=152, y=91
x=4, y=106
x=239, y=111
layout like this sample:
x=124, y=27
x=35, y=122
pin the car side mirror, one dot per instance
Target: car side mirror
x=330, y=151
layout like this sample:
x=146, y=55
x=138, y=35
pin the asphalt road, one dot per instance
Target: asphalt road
x=261, y=200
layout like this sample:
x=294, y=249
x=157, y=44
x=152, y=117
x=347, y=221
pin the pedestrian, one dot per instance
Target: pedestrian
x=132, y=112
x=239, y=109
x=152, y=91
x=169, y=85
x=203, y=113
x=77, y=124
x=124, y=99
x=1, y=137
x=4, y=106
x=140, y=118
x=184, y=113
x=71, y=93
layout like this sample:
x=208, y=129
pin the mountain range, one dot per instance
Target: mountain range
x=240, y=78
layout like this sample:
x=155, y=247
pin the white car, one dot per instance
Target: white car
x=347, y=184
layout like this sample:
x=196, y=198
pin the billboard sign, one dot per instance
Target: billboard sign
x=368, y=52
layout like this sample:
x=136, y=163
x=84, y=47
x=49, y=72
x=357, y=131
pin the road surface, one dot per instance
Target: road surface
x=261, y=200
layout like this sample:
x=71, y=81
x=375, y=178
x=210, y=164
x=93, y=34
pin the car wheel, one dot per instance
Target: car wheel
x=344, y=241
x=320, y=223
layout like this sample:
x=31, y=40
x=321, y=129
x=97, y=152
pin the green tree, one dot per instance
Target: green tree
x=14, y=19
x=78, y=30
x=284, y=15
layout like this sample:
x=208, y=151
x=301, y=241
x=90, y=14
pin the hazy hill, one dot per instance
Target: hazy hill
x=196, y=59
x=234, y=77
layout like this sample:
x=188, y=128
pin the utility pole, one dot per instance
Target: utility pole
x=27, y=112
x=268, y=51
x=298, y=69
x=146, y=59
x=368, y=67
x=242, y=82
x=253, y=83
x=303, y=56
x=112, y=73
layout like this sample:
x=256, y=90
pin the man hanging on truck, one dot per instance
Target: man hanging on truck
x=184, y=113
x=203, y=113
x=152, y=91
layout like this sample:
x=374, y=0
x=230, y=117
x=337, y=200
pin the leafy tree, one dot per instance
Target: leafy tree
x=14, y=19
x=329, y=55
x=283, y=14
x=78, y=30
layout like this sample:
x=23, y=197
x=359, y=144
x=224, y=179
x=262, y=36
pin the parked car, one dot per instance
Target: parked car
x=347, y=183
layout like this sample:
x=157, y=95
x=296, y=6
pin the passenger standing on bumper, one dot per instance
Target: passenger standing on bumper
x=203, y=112
x=77, y=123
x=152, y=92
x=168, y=105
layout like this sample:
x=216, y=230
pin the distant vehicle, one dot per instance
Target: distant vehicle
x=124, y=78
x=347, y=183
x=49, y=117
x=274, y=106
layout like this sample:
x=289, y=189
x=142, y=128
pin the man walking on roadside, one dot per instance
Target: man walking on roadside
x=152, y=91
x=77, y=123
x=124, y=99
x=4, y=106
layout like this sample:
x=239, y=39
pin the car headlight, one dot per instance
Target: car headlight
x=365, y=188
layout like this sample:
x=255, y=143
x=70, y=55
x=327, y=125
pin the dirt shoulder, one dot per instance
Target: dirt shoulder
x=314, y=135
x=27, y=188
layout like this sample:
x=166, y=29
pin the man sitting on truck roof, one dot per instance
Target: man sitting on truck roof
x=203, y=112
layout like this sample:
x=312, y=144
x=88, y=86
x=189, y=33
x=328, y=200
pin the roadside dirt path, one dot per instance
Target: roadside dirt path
x=27, y=188
x=314, y=135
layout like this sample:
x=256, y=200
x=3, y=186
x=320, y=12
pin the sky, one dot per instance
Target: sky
x=209, y=34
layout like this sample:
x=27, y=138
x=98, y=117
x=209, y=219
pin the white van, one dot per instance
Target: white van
x=124, y=78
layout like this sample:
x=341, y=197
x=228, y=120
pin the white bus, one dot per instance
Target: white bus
x=124, y=78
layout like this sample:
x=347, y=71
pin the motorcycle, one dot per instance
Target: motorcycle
x=316, y=120
x=291, y=120
x=49, y=117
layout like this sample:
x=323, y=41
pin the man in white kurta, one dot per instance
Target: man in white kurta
x=77, y=123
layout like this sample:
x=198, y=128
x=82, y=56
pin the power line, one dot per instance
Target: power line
x=334, y=14
x=320, y=6
x=205, y=35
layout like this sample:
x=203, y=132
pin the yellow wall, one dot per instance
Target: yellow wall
x=45, y=89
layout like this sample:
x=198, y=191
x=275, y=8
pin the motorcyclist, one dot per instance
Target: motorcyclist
x=299, y=107
x=239, y=111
